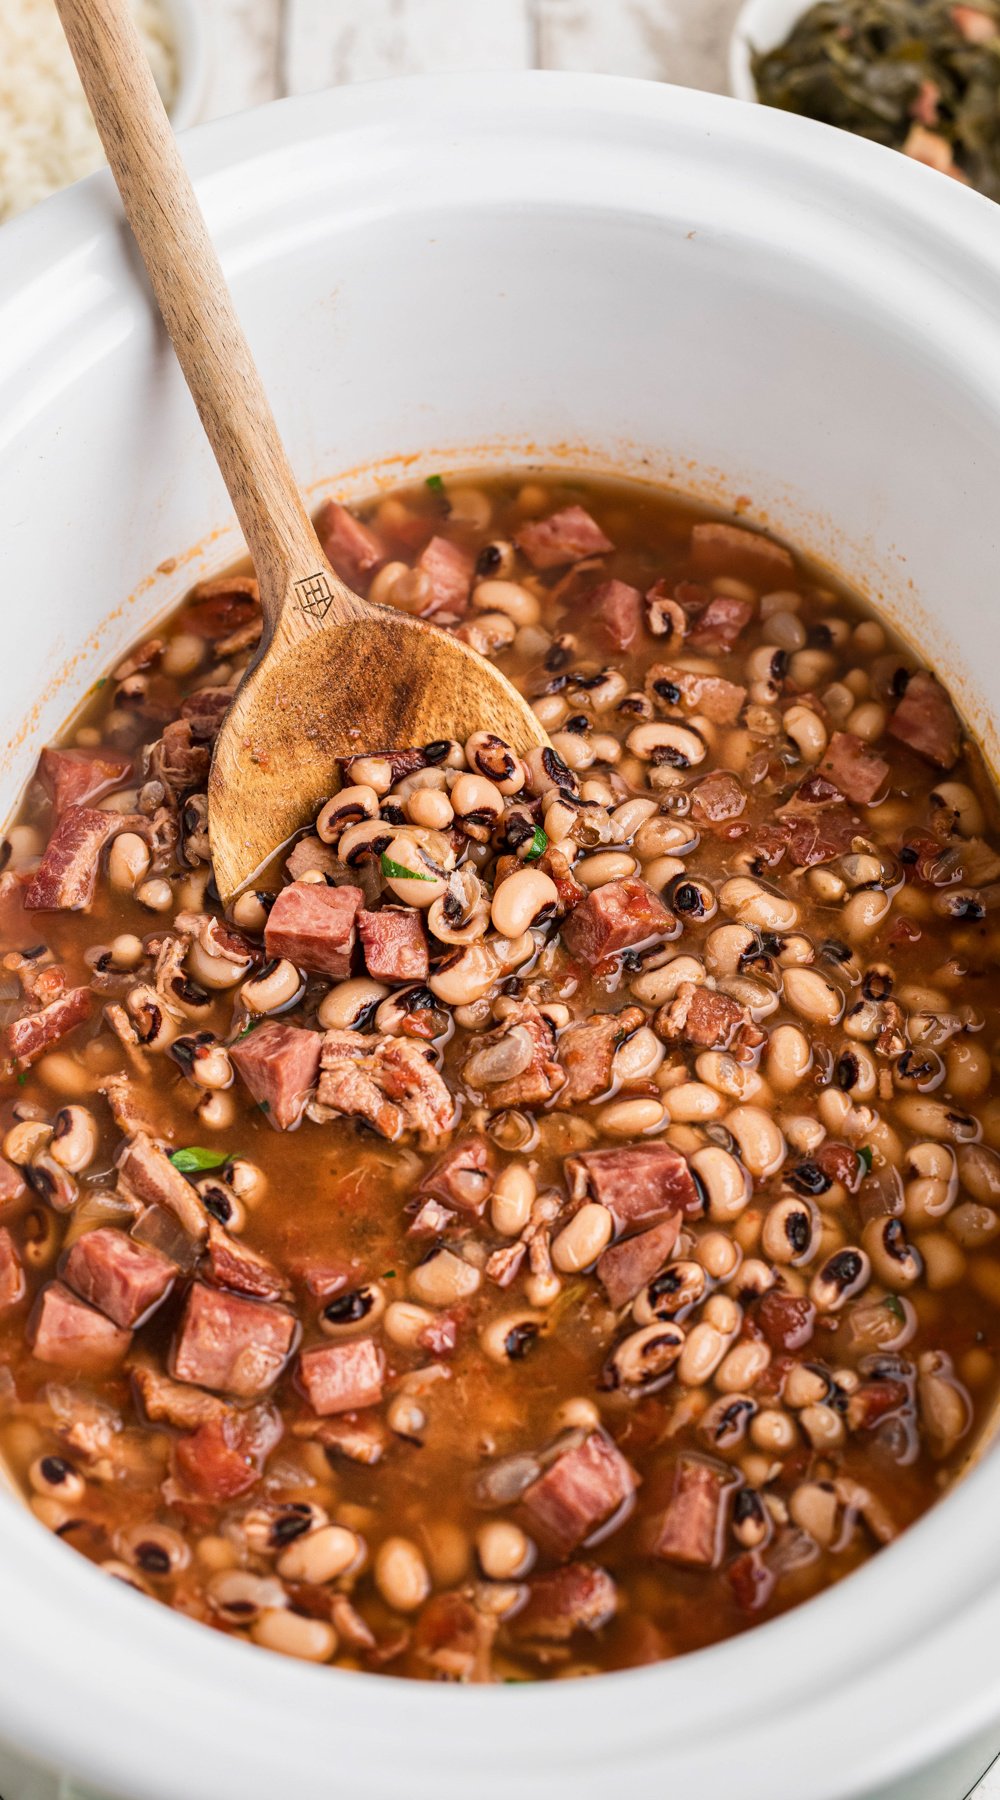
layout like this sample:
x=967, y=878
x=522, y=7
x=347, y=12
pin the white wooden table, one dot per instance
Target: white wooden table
x=266, y=48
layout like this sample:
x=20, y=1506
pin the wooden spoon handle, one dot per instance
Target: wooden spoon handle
x=196, y=304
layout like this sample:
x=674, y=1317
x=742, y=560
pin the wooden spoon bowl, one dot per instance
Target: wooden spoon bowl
x=335, y=675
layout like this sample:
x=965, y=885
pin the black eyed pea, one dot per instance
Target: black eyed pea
x=979, y=1172
x=751, y=1522
x=504, y=1551
x=270, y=1528
x=823, y=1427
x=429, y=807
x=742, y=1366
x=936, y=1119
x=667, y=744
x=218, y=1198
x=945, y=1407
x=240, y=1596
x=774, y=1432
x=351, y=806
x=74, y=1138
x=156, y=1550
x=424, y=859
x=250, y=912
x=638, y=1058
x=348, y=1004
x=791, y=1232
x=488, y=755
x=469, y=506
x=719, y=1254
x=843, y=1275
x=680, y=1286
x=644, y=1360
x=933, y=1189
x=658, y=834
x=362, y=843
x=753, y=1277
x=656, y=986
x=512, y=1200
x=724, y=1424
x=814, y=998
x=727, y=1076
x=526, y=898
x=814, y=1508
x=508, y=597
x=401, y=1575
x=749, y=902
x=807, y=732
x=631, y=1118
x=805, y=1386
x=405, y=1324
x=576, y=1414
x=120, y=1571
x=970, y=1070
x=575, y=748
x=703, y=1351
x=443, y=1279
x=214, y=972
x=54, y=1477
x=512, y=1336
x=955, y=807
x=758, y=1138
x=855, y=1072
x=727, y=946
x=320, y=1556
x=478, y=805
x=973, y=1225
x=26, y=1140
x=944, y=1263
x=345, y=1313
x=277, y=986
x=606, y=865
x=580, y=1242
x=863, y=913
x=895, y=1263
x=789, y=1058
x=128, y=862
x=293, y=1634
x=469, y=974
x=693, y=1103
x=462, y=916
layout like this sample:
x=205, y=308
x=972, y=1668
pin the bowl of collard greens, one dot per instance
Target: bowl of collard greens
x=921, y=76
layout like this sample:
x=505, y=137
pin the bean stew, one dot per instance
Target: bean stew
x=550, y=1224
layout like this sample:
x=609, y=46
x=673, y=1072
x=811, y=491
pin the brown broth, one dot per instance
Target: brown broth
x=335, y=1192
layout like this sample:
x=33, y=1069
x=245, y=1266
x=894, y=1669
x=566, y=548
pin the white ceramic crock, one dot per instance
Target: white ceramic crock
x=592, y=272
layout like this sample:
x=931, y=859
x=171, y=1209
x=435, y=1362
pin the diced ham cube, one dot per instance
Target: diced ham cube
x=147, y=1174
x=579, y=1597
x=171, y=1403
x=66, y=877
x=720, y=625
x=179, y=760
x=279, y=1064
x=854, y=768
x=314, y=927
x=450, y=570
x=814, y=838
x=361, y=1438
x=225, y=1456
x=587, y=1486
x=787, y=1320
x=717, y=799
x=565, y=537
x=205, y=709
x=700, y=1016
x=221, y=605
x=75, y=777
x=235, y=1266
x=691, y=1530
x=126, y=1281
x=68, y=1334
x=613, y=918
x=388, y=1082
x=640, y=1185
x=463, y=1176
x=926, y=721
x=232, y=1345
x=455, y=1639
x=719, y=549
x=718, y=699
x=625, y=1269
x=12, y=1283
x=751, y=1580
x=587, y=1051
x=395, y=944
x=31, y=1036
x=353, y=549
x=618, y=608
x=343, y=1377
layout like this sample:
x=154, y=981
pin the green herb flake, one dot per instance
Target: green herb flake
x=394, y=871
x=265, y=1105
x=867, y=1156
x=435, y=483
x=389, y=1275
x=22, y=1078
x=240, y=1035
x=893, y=1304
x=194, y=1159
x=538, y=846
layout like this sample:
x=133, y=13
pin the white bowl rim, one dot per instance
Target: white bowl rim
x=152, y=1691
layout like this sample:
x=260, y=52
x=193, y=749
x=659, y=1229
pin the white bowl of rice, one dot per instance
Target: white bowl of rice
x=47, y=136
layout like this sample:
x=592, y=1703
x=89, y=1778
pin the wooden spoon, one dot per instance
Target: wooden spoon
x=335, y=675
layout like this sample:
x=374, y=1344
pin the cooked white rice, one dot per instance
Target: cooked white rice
x=47, y=135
